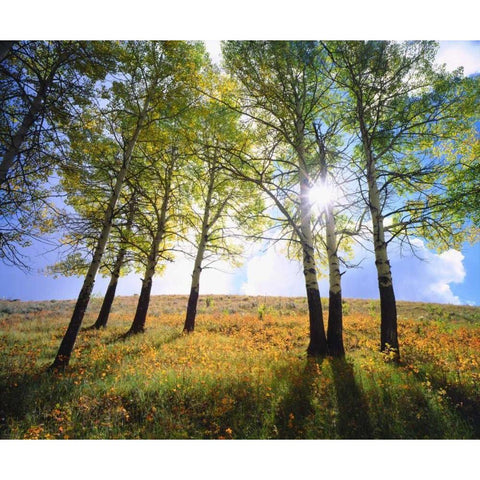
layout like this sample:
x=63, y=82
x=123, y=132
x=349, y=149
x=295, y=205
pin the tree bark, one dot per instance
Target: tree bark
x=335, y=316
x=138, y=324
x=189, y=325
x=318, y=339
x=102, y=318
x=66, y=347
x=335, y=325
x=388, y=307
x=14, y=149
x=195, y=285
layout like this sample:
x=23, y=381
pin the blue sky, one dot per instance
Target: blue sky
x=448, y=277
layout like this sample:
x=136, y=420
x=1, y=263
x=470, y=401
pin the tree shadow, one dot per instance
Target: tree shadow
x=22, y=396
x=462, y=402
x=336, y=410
x=466, y=406
x=353, y=420
x=296, y=412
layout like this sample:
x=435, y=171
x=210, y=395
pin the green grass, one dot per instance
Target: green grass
x=240, y=375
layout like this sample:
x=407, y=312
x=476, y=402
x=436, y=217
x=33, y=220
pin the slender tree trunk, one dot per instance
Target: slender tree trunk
x=66, y=347
x=335, y=316
x=318, y=339
x=102, y=318
x=22, y=132
x=5, y=47
x=389, y=336
x=189, y=325
x=138, y=324
x=388, y=307
x=63, y=356
x=195, y=286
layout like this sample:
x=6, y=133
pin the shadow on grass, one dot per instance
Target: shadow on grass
x=468, y=408
x=462, y=401
x=30, y=397
x=310, y=410
x=296, y=412
x=353, y=417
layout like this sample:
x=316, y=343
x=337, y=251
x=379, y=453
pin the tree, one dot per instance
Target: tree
x=400, y=107
x=222, y=206
x=156, y=196
x=335, y=316
x=284, y=88
x=126, y=234
x=42, y=86
x=148, y=73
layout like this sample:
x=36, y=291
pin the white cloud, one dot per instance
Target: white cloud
x=177, y=277
x=217, y=280
x=428, y=280
x=272, y=273
x=460, y=54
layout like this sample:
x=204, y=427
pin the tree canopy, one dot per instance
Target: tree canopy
x=133, y=151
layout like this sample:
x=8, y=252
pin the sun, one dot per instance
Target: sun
x=321, y=195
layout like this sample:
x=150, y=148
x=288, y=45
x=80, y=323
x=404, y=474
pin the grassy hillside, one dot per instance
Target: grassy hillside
x=242, y=374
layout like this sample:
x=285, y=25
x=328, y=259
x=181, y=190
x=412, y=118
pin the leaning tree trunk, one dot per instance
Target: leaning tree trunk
x=102, y=318
x=138, y=324
x=19, y=138
x=335, y=317
x=104, y=313
x=63, y=356
x=318, y=339
x=388, y=307
x=189, y=325
x=66, y=347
